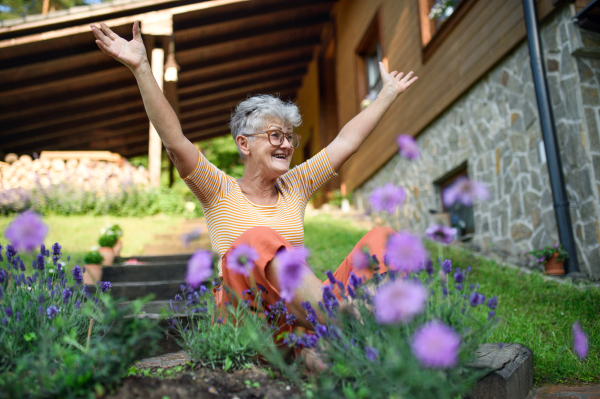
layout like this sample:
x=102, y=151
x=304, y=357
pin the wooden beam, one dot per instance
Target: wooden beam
x=279, y=84
x=207, y=112
x=296, y=71
x=119, y=75
x=250, y=64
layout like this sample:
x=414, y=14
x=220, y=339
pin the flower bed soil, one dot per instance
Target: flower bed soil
x=203, y=383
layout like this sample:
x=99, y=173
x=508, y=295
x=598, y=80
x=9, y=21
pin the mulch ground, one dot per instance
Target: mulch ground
x=251, y=383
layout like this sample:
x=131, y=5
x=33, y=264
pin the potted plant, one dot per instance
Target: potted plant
x=107, y=242
x=118, y=231
x=93, y=267
x=553, y=258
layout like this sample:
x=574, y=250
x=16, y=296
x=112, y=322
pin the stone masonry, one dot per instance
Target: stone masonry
x=494, y=128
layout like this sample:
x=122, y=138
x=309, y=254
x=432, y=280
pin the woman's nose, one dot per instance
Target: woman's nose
x=286, y=144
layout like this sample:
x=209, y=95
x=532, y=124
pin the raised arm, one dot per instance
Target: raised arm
x=133, y=55
x=351, y=137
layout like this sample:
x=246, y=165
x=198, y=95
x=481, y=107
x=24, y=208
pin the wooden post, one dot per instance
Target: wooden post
x=155, y=144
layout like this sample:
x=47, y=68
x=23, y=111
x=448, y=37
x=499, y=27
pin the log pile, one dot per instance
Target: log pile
x=89, y=170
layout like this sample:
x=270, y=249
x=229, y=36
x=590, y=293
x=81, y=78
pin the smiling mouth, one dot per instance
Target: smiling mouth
x=279, y=156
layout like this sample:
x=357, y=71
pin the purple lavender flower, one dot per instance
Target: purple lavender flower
x=465, y=191
x=290, y=269
x=493, y=303
x=27, y=231
x=3, y=275
x=399, y=301
x=447, y=266
x=458, y=276
x=408, y=147
x=476, y=299
x=371, y=353
x=580, y=341
x=199, y=268
x=105, y=286
x=321, y=330
x=311, y=316
x=491, y=314
x=77, y=274
x=56, y=249
x=387, y=198
x=360, y=260
x=241, y=259
x=405, y=252
x=8, y=311
x=4, y=321
x=40, y=262
x=66, y=295
x=10, y=252
x=440, y=233
x=429, y=267
x=52, y=312
x=77, y=304
x=436, y=345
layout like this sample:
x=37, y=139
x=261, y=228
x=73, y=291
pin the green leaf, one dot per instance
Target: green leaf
x=228, y=364
x=30, y=336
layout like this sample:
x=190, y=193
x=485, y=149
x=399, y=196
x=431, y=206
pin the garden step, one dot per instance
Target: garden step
x=154, y=271
x=161, y=249
x=156, y=258
x=132, y=290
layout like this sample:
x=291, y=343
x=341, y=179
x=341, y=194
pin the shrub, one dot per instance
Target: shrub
x=93, y=258
x=109, y=239
x=57, y=339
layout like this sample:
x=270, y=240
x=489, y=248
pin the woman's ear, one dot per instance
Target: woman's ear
x=243, y=144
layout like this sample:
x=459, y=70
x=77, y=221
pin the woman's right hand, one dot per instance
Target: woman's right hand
x=132, y=54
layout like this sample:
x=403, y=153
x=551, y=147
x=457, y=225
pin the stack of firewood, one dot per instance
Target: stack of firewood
x=90, y=170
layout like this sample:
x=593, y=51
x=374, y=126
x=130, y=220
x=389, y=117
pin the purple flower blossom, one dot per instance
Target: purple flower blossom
x=77, y=304
x=290, y=269
x=360, y=260
x=447, y=266
x=8, y=311
x=199, y=268
x=105, y=286
x=580, y=341
x=440, y=233
x=476, y=299
x=399, y=301
x=3, y=275
x=311, y=316
x=354, y=280
x=429, y=267
x=491, y=314
x=52, y=312
x=56, y=249
x=371, y=353
x=66, y=295
x=77, y=274
x=465, y=191
x=4, y=321
x=27, y=231
x=408, y=147
x=321, y=330
x=405, y=252
x=387, y=198
x=436, y=345
x=241, y=259
x=458, y=276
x=492, y=302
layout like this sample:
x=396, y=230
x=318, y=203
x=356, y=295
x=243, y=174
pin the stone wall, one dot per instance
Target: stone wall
x=494, y=128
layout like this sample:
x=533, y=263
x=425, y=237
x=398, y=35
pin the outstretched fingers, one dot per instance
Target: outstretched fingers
x=407, y=77
x=137, y=32
x=108, y=32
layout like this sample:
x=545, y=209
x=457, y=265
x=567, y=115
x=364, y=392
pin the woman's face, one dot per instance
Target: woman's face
x=272, y=161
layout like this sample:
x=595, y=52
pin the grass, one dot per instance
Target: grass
x=532, y=311
x=77, y=234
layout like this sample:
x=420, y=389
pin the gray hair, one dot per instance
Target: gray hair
x=252, y=114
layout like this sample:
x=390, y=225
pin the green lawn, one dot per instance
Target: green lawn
x=77, y=234
x=532, y=311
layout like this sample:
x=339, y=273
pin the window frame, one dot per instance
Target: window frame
x=432, y=37
x=373, y=35
x=444, y=182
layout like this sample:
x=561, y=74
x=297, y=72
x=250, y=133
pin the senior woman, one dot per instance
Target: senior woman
x=265, y=208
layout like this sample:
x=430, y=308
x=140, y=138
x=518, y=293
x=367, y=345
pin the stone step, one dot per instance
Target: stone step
x=155, y=258
x=162, y=290
x=172, y=249
x=154, y=271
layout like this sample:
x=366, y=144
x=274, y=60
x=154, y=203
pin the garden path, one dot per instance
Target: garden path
x=566, y=392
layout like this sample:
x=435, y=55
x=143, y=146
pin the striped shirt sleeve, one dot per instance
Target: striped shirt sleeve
x=310, y=176
x=207, y=182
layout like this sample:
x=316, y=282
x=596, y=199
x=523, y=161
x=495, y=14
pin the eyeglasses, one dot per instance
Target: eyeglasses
x=276, y=137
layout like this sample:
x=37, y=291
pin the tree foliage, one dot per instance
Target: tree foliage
x=10, y=9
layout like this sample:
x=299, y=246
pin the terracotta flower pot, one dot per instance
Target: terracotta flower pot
x=92, y=274
x=553, y=266
x=117, y=248
x=108, y=254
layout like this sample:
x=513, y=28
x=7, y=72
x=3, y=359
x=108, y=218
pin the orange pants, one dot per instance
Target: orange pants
x=267, y=242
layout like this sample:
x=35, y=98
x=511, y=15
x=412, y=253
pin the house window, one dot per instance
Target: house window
x=458, y=216
x=438, y=18
x=369, y=53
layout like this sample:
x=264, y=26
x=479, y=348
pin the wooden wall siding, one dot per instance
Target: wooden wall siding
x=307, y=100
x=488, y=32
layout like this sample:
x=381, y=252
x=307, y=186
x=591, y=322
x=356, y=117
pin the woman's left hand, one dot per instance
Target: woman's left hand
x=395, y=82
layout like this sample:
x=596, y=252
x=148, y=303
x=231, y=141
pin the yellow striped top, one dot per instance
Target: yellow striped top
x=229, y=213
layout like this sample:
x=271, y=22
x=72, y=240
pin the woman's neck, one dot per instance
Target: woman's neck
x=259, y=190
